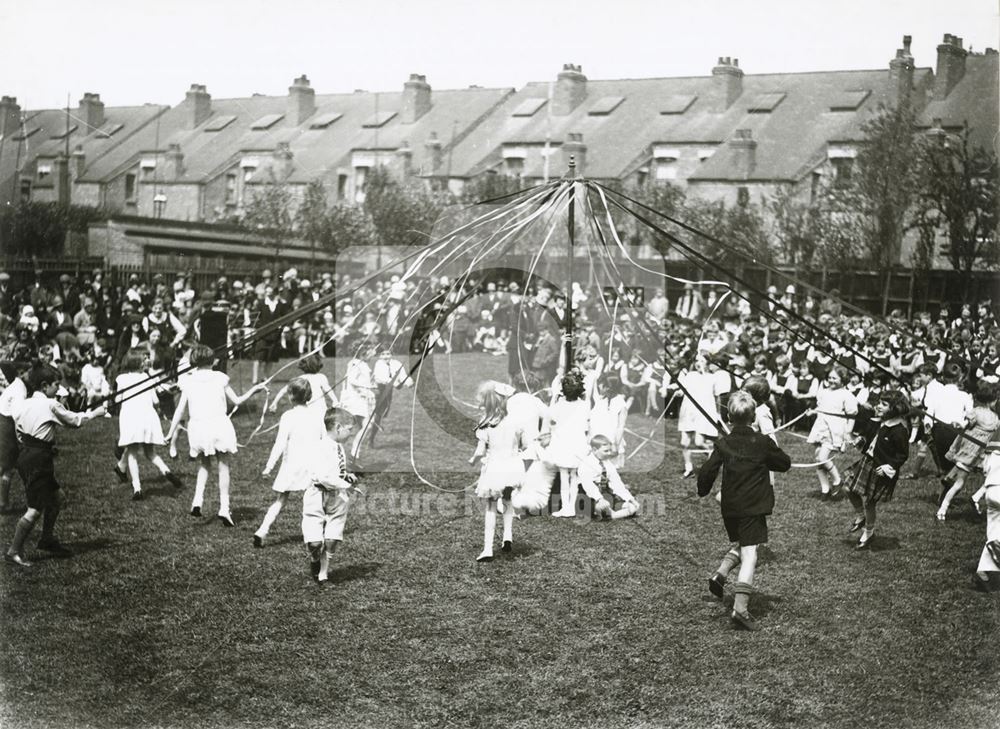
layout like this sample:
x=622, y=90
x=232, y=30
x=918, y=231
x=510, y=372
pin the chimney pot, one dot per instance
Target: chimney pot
x=301, y=101
x=433, y=149
x=727, y=84
x=907, y=40
x=570, y=90
x=10, y=115
x=950, y=66
x=416, y=98
x=91, y=111
x=200, y=105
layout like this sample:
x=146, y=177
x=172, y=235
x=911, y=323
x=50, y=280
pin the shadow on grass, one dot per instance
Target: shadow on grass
x=78, y=548
x=878, y=544
x=243, y=514
x=354, y=571
x=163, y=490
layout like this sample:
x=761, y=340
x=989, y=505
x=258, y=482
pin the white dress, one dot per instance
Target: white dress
x=502, y=464
x=299, y=435
x=209, y=429
x=358, y=395
x=833, y=429
x=528, y=412
x=322, y=393
x=702, y=387
x=607, y=418
x=569, y=442
x=138, y=421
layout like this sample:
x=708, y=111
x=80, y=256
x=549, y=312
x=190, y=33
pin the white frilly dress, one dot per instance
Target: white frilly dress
x=502, y=464
x=138, y=421
x=210, y=431
x=299, y=436
x=568, y=444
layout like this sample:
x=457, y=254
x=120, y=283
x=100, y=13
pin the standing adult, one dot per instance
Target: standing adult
x=267, y=348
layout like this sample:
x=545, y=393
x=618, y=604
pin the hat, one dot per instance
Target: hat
x=237, y=284
x=65, y=278
x=266, y=273
x=4, y=276
x=789, y=289
x=28, y=310
x=772, y=289
x=158, y=277
x=305, y=284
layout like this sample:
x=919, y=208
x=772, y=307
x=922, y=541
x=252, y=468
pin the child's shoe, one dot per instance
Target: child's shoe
x=195, y=511
x=745, y=620
x=258, y=541
x=137, y=495
x=122, y=476
x=485, y=556
x=715, y=584
x=858, y=523
x=227, y=520
x=507, y=546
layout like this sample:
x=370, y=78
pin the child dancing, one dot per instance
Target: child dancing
x=694, y=427
x=567, y=446
x=989, y=559
x=326, y=500
x=319, y=385
x=206, y=393
x=835, y=410
x=12, y=395
x=500, y=447
x=965, y=452
x=139, y=428
x=299, y=434
x=35, y=419
x=746, y=458
x=873, y=478
x=608, y=415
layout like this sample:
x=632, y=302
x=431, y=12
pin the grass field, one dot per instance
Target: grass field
x=164, y=620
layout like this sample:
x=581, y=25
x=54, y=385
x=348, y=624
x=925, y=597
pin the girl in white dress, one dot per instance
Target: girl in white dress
x=206, y=393
x=607, y=417
x=312, y=372
x=701, y=385
x=568, y=444
x=358, y=394
x=299, y=434
x=500, y=447
x=139, y=425
x=835, y=411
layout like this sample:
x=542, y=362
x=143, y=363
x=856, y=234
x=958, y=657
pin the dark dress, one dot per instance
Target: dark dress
x=891, y=446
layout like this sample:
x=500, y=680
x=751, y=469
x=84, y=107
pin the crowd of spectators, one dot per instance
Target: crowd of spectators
x=641, y=333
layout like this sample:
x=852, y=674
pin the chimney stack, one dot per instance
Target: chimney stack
x=727, y=83
x=571, y=89
x=950, y=65
x=10, y=117
x=744, y=148
x=60, y=176
x=301, y=100
x=78, y=163
x=405, y=155
x=901, y=73
x=91, y=111
x=575, y=148
x=432, y=147
x=173, y=162
x=416, y=98
x=282, y=164
x=199, y=104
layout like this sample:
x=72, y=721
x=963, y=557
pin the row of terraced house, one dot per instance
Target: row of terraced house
x=726, y=135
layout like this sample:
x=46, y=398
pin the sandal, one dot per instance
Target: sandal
x=858, y=523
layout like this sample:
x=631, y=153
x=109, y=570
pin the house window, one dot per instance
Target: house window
x=842, y=170
x=360, y=182
x=159, y=204
x=231, y=188
x=641, y=175
x=514, y=166
x=341, y=186
x=130, y=187
x=666, y=168
x=742, y=196
x=25, y=190
x=44, y=171
x=814, y=187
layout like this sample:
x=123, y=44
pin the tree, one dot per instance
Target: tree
x=311, y=219
x=269, y=212
x=402, y=211
x=884, y=180
x=958, y=200
x=40, y=229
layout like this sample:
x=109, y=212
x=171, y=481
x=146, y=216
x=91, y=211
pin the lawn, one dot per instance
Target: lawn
x=164, y=620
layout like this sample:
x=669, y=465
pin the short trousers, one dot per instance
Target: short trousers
x=37, y=470
x=324, y=515
x=747, y=530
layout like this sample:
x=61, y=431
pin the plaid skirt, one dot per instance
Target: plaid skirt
x=864, y=482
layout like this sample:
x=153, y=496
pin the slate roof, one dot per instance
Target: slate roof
x=973, y=99
x=799, y=125
x=315, y=151
x=121, y=125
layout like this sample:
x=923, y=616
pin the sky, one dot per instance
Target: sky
x=139, y=51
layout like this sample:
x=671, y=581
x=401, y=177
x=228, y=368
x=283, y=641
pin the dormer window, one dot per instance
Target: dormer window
x=44, y=172
x=665, y=162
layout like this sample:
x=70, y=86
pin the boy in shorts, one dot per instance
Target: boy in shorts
x=746, y=459
x=326, y=501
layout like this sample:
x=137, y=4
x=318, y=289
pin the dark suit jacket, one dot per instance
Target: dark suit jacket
x=746, y=458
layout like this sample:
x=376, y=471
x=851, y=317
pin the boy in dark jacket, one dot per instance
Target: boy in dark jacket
x=746, y=459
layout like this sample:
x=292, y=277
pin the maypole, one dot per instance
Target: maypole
x=571, y=223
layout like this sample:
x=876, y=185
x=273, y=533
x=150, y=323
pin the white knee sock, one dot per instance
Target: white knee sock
x=223, y=488
x=160, y=464
x=508, y=524
x=133, y=470
x=489, y=530
x=269, y=517
x=199, y=487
